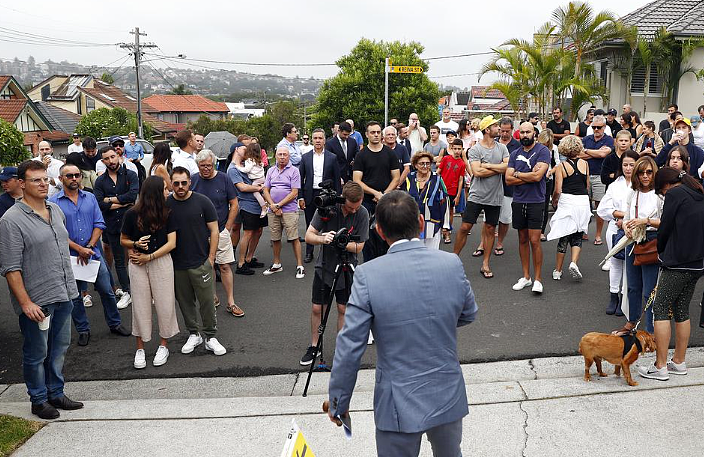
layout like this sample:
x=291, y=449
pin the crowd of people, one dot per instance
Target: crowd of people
x=171, y=230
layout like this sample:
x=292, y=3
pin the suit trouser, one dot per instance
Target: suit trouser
x=197, y=284
x=310, y=212
x=445, y=440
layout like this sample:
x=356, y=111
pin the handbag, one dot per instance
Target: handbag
x=615, y=238
x=646, y=252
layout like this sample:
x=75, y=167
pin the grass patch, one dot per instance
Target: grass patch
x=14, y=432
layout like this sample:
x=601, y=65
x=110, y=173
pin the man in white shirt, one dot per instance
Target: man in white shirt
x=119, y=145
x=416, y=134
x=446, y=124
x=76, y=146
x=306, y=146
x=53, y=166
x=186, y=155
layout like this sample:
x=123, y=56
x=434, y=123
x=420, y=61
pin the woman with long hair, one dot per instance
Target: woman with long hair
x=649, y=142
x=149, y=235
x=681, y=254
x=612, y=208
x=627, y=124
x=678, y=158
x=465, y=134
x=644, y=210
x=161, y=163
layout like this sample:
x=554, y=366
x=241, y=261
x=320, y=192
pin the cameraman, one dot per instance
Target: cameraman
x=322, y=230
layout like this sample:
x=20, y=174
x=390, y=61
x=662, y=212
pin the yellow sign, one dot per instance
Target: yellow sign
x=405, y=69
x=296, y=445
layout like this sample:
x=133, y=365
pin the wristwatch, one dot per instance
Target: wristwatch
x=89, y=246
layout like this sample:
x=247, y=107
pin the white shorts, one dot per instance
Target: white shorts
x=225, y=253
x=506, y=214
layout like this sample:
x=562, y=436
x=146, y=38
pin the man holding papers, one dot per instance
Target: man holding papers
x=85, y=224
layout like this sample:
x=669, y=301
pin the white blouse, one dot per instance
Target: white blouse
x=614, y=199
x=649, y=206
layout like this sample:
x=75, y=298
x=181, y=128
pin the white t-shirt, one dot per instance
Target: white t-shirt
x=53, y=171
x=698, y=134
x=303, y=148
x=446, y=127
x=607, y=130
x=100, y=167
x=183, y=159
x=75, y=148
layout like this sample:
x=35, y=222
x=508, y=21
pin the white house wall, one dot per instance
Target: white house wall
x=25, y=123
x=691, y=91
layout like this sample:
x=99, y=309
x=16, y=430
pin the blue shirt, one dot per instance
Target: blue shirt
x=6, y=201
x=220, y=190
x=81, y=218
x=524, y=162
x=133, y=152
x=294, y=154
x=590, y=143
x=246, y=199
x=358, y=138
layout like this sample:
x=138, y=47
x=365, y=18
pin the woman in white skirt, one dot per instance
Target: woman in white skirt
x=612, y=209
x=571, y=197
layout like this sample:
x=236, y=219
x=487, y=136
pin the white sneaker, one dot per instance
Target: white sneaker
x=537, y=287
x=556, y=275
x=140, y=360
x=273, y=269
x=300, y=272
x=193, y=341
x=87, y=301
x=118, y=293
x=606, y=266
x=212, y=344
x=370, y=339
x=652, y=372
x=523, y=282
x=124, y=301
x=676, y=368
x=574, y=271
x=162, y=355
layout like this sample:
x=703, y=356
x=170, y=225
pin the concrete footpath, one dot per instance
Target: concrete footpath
x=536, y=407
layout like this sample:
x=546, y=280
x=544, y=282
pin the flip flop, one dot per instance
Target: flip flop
x=486, y=274
x=499, y=251
x=478, y=253
x=598, y=242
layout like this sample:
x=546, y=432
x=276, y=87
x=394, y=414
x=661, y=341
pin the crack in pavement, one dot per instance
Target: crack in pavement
x=525, y=429
x=295, y=381
x=532, y=368
x=4, y=390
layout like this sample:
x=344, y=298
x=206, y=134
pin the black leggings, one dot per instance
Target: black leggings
x=549, y=188
x=574, y=240
x=674, y=292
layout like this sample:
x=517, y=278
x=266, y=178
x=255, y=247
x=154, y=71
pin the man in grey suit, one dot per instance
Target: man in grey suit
x=419, y=385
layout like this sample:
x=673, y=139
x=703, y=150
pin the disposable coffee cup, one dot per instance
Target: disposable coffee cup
x=44, y=324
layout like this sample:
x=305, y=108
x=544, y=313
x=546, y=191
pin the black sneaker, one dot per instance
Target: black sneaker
x=254, y=264
x=244, y=270
x=308, y=357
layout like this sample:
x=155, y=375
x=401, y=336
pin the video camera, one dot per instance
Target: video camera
x=327, y=200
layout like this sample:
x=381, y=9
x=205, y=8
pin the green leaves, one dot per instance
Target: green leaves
x=104, y=122
x=12, y=150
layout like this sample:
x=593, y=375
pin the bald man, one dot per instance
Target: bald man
x=53, y=166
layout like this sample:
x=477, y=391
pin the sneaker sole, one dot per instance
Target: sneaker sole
x=139, y=367
x=304, y=364
x=576, y=274
x=269, y=272
x=213, y=351
x=655, y=377
x=678, y=373
x=188, y=351
x=158, y=364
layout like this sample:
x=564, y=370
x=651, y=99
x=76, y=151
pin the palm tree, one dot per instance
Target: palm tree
x=514, y=74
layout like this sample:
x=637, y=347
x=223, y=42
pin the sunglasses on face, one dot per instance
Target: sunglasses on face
x=73, y=175
x=597, y=127
x=180, y=183
x=646, y=172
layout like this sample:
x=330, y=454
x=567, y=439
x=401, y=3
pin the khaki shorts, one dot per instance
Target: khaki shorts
x=288, y=221
x=597, y=189
x=225, y=253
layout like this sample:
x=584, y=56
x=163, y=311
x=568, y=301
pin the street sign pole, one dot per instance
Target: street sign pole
x=386, y=92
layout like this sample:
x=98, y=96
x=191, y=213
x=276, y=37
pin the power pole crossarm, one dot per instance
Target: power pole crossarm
x=136, y=50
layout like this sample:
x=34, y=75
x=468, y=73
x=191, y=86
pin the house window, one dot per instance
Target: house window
x=46, y=91
x=638, y=81
x=90, y=104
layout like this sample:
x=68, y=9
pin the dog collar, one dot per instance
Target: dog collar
x=629, y=339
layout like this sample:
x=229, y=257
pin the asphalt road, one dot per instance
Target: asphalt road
x=274, y=334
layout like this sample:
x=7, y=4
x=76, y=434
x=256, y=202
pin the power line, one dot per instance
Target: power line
x=18, y=34
x=453, y=76
x=460, y=55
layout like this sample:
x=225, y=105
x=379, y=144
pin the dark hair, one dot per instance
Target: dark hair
x=628, y=153
x=532, y=115
x=151, y=209
x=642, y=163
x=344, y=126
x=650, y=125
x=701, y=107
x=89, y=143
x=627, y=118
x=589, y=111
x=463, y=126
x=254, y=151
x=243, y=137
x=397, y=215
x=105, y=149
x=335, y=124
x=286, y=128
x=636, y=117
x=162, y=156
x=352, y=192
x=434, y=127
x=77, y=160
x=506, y=121
x=557, y=108
x=183, y=137
x=673, y=105
x=29, y=165
x=684, y=156
x=599, y=112
x=369, y=124
x=180, y=170
x=667, y=175
x=457, y=142
x=673, y=115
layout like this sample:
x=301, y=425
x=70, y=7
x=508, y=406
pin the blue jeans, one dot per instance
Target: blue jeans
x=118, y=253
x=107, y=297
x=43, y=353
x=641, y=282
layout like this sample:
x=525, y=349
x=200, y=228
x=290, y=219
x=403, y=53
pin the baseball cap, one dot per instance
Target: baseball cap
x=8, y=173
x=612, y=112
x=76, y=135
x=235, y=146
x=486, y=122
x=695, y=120
x=450, y=132
x=685, y=120
x=116, y=139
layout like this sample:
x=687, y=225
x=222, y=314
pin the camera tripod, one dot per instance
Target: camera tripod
x=344, y=267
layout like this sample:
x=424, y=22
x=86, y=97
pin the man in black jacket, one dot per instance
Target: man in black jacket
x=345, y=147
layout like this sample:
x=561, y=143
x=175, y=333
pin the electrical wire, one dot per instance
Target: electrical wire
x=20, y=35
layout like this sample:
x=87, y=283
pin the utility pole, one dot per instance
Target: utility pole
x=136, y=50
x=387, y=62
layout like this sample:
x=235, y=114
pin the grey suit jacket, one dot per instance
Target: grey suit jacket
x=413, y=299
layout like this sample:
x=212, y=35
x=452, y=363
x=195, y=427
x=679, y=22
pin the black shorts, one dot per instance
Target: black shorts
x=252, y=221
x=321, y=292
x=451, y=200
x=472, y=210
x=527, y=215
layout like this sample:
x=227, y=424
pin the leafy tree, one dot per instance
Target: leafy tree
x=104, y=122
x=180, y=90
x=12, y=150
x=357, y=91
x=107, y=78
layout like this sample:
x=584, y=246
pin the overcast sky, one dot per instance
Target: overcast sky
x=280, y=31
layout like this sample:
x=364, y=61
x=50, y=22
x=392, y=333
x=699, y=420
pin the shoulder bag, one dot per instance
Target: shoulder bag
x=646, y=252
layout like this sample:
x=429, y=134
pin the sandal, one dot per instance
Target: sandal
x=235, y=311
x=499, y=251
x=216, y=300
x=598, y=242
x=478, y=253
x=627, y=328
x=486, y=273
x=543, y=237
x=447, y=240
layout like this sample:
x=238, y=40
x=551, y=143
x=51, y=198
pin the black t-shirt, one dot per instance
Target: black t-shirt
x=92, y=161
x=615, y=126
x=664, y=125
x=376, y=168
x=582, y=129
x=559, y=127
x=192, y=235
x=157, y=239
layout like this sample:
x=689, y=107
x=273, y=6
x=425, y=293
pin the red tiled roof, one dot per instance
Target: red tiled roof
x=185, y=104
x=10, y=109
x=501, y=105
x=112, y=96
x=485, y=92
x=55, y=135
x=3, y=81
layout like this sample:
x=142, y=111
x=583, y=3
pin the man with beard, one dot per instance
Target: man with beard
x=90, y=152
x=559, y=126
x=116, y=191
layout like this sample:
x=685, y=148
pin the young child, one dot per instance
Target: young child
x=254, y=170
x=452, y=169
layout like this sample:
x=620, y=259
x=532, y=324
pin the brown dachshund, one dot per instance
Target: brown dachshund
x=620, y=351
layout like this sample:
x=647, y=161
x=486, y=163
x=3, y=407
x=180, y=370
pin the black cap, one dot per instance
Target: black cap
x=116, y=139
x=612, y=112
